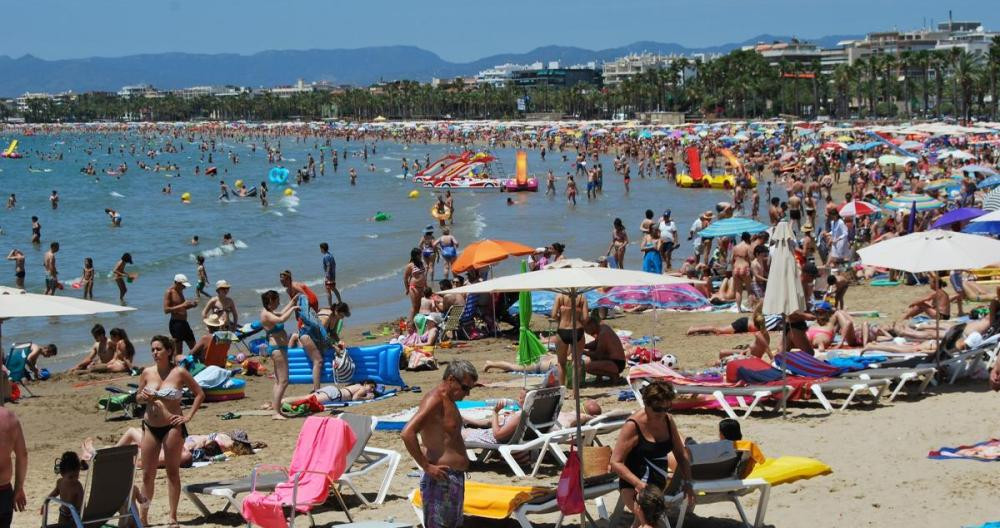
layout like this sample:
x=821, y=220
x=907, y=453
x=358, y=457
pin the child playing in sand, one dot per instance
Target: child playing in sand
x=68, y=487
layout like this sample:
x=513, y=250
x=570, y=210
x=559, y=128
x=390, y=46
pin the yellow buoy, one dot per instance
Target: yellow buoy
x=186, y=197
x=238, y=184
x=289, y=192
x=414, y=194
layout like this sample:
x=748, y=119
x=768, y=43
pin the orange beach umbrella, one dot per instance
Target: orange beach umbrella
x=485, y=252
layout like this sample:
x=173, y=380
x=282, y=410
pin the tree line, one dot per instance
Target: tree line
x=741, y=84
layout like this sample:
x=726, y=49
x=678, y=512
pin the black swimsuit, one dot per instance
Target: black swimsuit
x=647, y=460
x=160, y=431
x=569, y=335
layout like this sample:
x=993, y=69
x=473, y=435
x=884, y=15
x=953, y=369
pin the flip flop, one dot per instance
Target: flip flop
x=229, y=416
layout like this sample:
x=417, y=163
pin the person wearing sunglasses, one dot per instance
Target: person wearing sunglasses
x=641, y=452
x=442, y=455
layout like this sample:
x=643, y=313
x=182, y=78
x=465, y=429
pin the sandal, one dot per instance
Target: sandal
x=229, y=416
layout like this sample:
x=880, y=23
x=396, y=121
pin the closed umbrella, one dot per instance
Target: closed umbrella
x=962, y=214
x=784, y=293
x=485, y=252
x=905, y=201
x=529, y=347
x=732, y=227
x=857, y=208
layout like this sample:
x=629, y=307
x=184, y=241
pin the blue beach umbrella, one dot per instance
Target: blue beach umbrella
x=958, y=215
x=989, y=183
x=732, y=227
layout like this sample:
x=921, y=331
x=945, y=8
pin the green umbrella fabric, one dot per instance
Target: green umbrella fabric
x=529, y=348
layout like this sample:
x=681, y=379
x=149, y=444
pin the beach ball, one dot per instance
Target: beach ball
x=414, y=194
x=238, y=184
x=241, y=357
x=186, y=197
x=289, y=192
x=44, y=374
x=669, y=360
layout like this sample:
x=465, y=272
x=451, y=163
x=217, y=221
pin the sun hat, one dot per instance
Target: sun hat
x=436, y=317
x=182, y=279
x=222, y=283
x=213, y=320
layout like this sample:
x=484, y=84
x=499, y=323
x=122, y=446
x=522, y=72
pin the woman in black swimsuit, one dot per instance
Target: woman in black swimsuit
x=562, y=311
x=160, y=389
x=640, y=454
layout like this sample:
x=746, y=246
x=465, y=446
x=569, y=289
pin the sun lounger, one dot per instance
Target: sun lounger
x=495, y=501
x=111, y=475
x=721, y=392
x=538, y=417
x=819, y=386
x=802, y=364
x=359, y=462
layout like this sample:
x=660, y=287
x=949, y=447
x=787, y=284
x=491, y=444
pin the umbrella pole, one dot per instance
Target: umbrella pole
x=576, y=396
x=784, y=373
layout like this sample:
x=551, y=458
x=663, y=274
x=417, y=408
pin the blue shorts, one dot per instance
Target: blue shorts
x=590, y=186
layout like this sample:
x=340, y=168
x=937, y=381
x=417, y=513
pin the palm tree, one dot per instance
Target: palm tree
x=993, y=58
x=964, y=77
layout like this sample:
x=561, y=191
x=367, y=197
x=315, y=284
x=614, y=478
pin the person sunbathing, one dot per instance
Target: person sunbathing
x=761, y=345
x=333, y=394
x=196, y=447
x=936, y=304
x=589, y=408
x=496, y=429
x=741, y=325
x=727, y=291
x=830, y=323
x=544, y=364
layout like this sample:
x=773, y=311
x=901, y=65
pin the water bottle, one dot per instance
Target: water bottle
x=219, y=458
x=507, y=402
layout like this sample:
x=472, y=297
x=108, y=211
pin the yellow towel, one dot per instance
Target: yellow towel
x=783, y=470
x=492, y=501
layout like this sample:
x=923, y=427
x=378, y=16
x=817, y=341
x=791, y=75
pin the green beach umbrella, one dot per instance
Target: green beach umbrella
x=529, y=348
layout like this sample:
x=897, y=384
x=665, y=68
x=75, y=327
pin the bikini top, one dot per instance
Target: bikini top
x=168, y=394
x=280, y=327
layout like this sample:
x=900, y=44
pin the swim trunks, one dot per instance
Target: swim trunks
x=443, y=499
x=620, y=363
x=50, y=282
x=741, y=325
x=6, y=505
x=181, y=331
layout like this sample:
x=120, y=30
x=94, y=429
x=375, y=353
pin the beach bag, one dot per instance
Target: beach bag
x=569, y=494
x=343, y=367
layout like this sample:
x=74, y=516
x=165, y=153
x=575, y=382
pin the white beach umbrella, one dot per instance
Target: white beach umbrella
x=572, y=282
x=934, y=250
x=15, y=302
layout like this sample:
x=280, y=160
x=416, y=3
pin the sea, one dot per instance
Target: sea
x=157, y=228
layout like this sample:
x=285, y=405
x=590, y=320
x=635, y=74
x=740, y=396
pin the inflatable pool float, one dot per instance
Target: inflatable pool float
x=785, y=469
x=439, y=215
x=278, y=175
x=382, y=217
x=467, y=183
x=884, y=282
x=233, y=389
x=718, y=181
x=379, y=363
x=511, y=185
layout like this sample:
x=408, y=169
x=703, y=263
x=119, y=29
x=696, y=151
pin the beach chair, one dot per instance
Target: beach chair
x=538, y=417
x=802, y=364
x=319, y=460
x=818, y=385
x=453, y=322
x=747, y=397
x=218, y=351
x=17, y=367
x=111, y=475
x=361, y=460
x=498, y=502
x=118, y=399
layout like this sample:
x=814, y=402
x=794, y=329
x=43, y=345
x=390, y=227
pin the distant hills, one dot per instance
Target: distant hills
x=362, y=66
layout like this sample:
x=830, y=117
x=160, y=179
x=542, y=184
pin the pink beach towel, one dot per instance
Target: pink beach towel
x=322, y=447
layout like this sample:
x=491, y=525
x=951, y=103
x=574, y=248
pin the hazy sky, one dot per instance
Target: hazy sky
x=457, y=30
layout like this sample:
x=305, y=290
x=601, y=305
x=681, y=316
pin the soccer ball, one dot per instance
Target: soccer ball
x=669, y=360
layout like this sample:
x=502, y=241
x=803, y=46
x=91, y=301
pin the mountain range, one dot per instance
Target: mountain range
x=361, y=66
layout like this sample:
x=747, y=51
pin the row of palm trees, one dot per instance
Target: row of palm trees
x=741, y=84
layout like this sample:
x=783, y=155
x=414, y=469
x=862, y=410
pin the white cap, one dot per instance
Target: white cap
x=182, y=279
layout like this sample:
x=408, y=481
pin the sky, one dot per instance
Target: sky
x=457, y=30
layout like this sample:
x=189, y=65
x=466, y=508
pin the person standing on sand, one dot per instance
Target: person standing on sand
x=175, y=305
x=51, y=273
x=442, y=456
x=12, y=442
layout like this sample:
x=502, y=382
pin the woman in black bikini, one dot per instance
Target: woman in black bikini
x=163, y=425
x=640, y=454
x=562, y=311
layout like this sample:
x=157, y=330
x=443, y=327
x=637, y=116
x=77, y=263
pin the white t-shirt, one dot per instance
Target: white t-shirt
x=667, y=230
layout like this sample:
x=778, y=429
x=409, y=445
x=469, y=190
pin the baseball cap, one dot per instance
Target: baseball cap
x=823, y=305
x=666, y=213
x=181, y=278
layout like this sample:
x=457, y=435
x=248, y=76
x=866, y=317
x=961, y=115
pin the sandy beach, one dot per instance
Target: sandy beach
x=881, y=474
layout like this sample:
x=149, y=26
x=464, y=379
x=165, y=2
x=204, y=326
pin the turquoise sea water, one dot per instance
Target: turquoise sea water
x=156, y=229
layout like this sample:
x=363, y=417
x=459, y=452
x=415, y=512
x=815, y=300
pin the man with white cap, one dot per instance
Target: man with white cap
x=177, y=307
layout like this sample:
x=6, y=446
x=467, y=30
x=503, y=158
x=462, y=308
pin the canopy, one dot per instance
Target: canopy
x=958, y=215
x=993, y=216
x=934, y=250
x=906, y=201
x=485, y=252
x=784, y=293
x=19, y=303
x=732, y=227
x=571, y=263
x=857, y=208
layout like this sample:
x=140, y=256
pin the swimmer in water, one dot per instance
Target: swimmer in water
x=116, y=218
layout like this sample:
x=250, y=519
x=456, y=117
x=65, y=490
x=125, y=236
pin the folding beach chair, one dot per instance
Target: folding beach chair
x=118, y=399
x=453, y=322
x=111, y=475
x=538, y=417
x=218, y=351
x=17, y=367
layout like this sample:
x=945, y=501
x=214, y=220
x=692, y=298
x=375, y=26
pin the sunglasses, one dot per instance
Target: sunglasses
x=465, y=388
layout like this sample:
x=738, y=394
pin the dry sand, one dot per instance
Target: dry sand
x=881, y=476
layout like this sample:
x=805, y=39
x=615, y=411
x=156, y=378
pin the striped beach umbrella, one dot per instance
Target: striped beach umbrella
x=991, y=202
x=904, y=202
x=732, y=227
x=857, y=208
